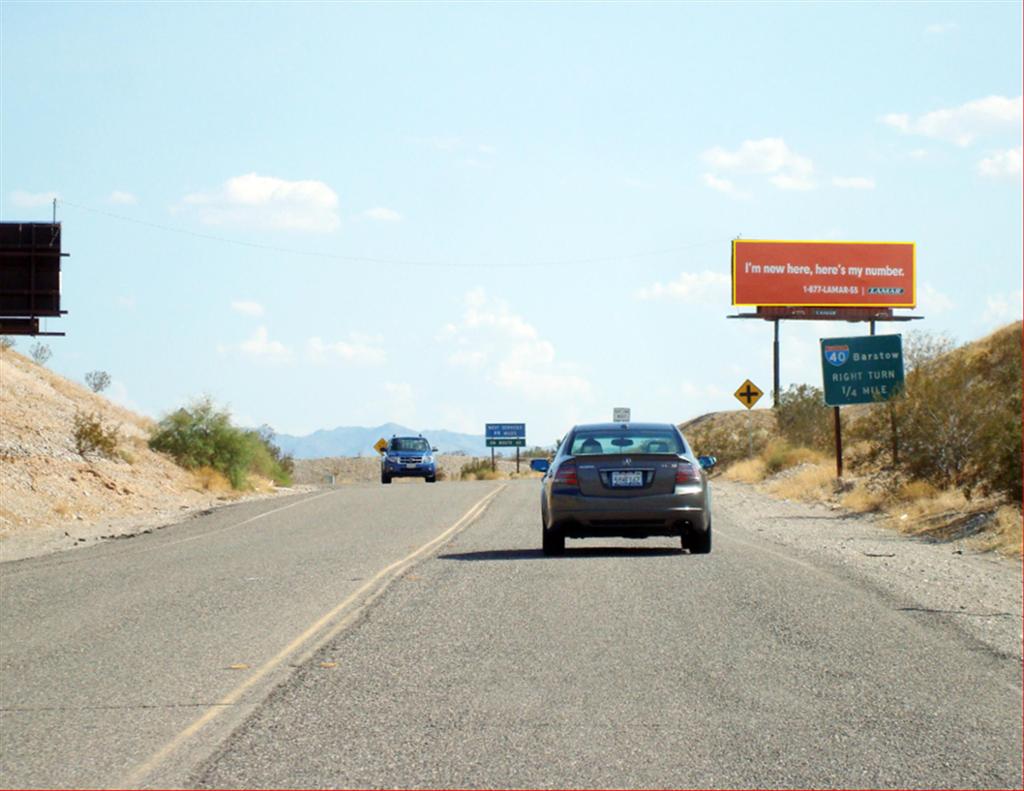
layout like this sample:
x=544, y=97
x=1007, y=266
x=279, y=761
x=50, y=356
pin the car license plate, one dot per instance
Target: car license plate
x=411, y=466
x=631, y=478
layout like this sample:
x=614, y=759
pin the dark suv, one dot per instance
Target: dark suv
x=408, y=457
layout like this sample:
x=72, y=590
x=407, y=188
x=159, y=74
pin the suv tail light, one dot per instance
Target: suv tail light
x=566, y=474
x=687, y=473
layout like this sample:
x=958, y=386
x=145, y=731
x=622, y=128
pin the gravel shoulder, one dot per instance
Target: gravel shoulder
x=974, y=592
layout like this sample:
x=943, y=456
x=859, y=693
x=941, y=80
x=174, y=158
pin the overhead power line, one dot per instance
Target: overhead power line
x=389, y=261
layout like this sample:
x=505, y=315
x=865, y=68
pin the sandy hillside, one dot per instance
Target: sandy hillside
x=51, y=497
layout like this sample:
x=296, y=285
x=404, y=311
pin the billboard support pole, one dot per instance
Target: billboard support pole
x=517, y=459
x=493, y=467
x=839, y=443
x=775, y=367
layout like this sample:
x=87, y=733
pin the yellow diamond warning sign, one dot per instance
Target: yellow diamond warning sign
x=380, y=444
x=748, y=394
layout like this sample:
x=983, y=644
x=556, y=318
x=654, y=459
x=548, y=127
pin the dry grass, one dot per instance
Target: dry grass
x=62, y=509
x=483, y=475
x=862, y=500
x=813, y=483
x=1005, y=534
x=210, y=480
x=780, y=455
x=746, y=471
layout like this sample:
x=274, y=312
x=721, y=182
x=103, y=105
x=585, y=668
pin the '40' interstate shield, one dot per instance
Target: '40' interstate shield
x=837, y=354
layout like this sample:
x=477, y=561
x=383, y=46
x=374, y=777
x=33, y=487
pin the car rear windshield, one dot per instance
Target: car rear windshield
x=622, y=441
x=411, y=443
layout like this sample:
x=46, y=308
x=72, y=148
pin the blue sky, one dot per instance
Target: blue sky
x=452, y=214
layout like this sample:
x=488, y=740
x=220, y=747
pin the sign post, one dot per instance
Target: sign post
x=859, y=370
x=749, y=394
x=505, y=435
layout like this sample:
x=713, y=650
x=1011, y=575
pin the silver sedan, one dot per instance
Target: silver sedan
x=625, y=479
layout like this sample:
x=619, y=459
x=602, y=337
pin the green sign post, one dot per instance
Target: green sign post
x=860, y=370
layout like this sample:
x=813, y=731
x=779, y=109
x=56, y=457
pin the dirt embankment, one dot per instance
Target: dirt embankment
x=51, y=496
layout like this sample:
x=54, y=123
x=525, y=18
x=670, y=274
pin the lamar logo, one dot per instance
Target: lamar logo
x=837, y=355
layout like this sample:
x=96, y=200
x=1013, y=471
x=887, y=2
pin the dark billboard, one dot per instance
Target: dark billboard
x=30, y=259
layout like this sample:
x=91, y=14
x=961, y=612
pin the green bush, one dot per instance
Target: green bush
x=802, y=417
x=727, y=445
x=202, y=436
x=91, y=436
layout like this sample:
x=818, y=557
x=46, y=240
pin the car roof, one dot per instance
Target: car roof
x=625, y=426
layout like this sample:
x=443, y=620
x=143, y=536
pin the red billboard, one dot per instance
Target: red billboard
x=835, y=274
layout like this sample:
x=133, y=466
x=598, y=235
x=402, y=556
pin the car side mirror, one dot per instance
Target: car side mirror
x=433, y=450
x=707, y=462
x=539, y=465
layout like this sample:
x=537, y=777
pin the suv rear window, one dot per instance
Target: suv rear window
x=620, y=442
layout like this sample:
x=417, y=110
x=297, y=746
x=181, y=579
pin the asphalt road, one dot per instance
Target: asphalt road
x=304, y=643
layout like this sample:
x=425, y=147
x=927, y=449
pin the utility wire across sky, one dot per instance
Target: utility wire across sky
x=390, y=261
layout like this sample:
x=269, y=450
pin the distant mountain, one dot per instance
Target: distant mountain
x=359, y=441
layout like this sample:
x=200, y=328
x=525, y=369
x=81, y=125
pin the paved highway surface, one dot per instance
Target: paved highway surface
x=414, y=635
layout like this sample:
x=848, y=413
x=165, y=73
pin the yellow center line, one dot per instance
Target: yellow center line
x=135, y=777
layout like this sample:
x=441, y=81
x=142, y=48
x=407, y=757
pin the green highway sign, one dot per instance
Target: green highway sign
x=862, y=369
x=507, y=442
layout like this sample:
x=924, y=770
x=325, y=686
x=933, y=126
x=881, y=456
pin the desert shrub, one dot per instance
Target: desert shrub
x=97, y=381
x=802, y=417
x=202, y=436
x=779, y=455
x=40, y=353
x=957, y=420
x=477, y=470
x=728, y=445
x=6, y=342
x=92, y=436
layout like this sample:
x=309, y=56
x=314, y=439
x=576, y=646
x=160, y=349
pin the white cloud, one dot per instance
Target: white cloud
x=767, y=157
x=1003, y=308
x=854, y=182
x=1002, y=164
x=122, y=198
x=268, y=202
x=381, y=214
x=724, y=186
x=932, y=302
x=939, y=28
x=964, y=124
x=247, y=308
x=467, y=358
x=260, y=347
x=520, y=360
x=359, y=349
x=691, y=287
x=33, y=200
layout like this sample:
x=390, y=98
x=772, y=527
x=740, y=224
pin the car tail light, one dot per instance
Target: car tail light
x=566, y=474
x=687, y=473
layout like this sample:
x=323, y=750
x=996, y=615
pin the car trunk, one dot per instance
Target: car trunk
x=618, y=475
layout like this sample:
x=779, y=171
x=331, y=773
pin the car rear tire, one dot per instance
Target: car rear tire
x=431, y=478
x=699, y=543
x=553, y=541
x=385, y=478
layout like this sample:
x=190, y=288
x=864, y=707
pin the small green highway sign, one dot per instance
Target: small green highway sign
x=862, y=369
